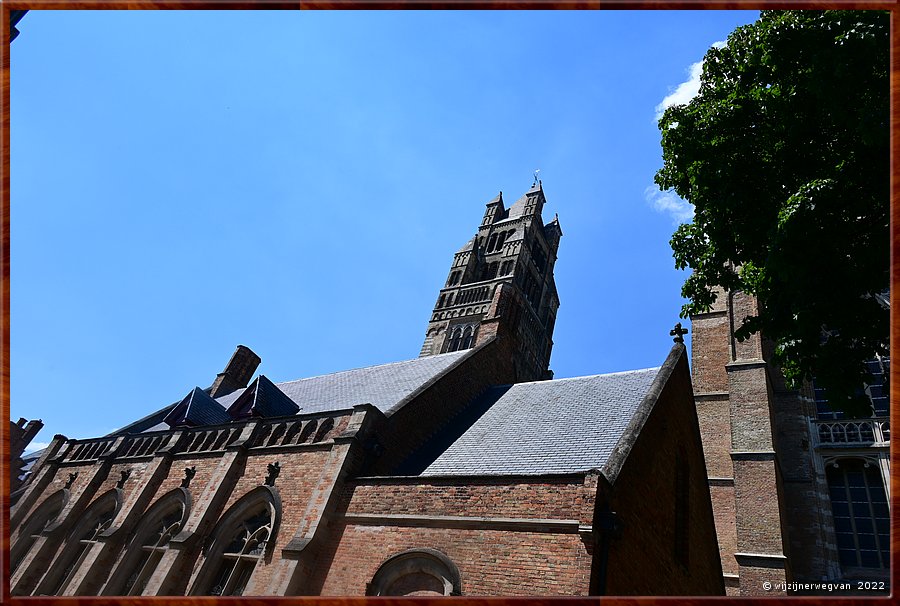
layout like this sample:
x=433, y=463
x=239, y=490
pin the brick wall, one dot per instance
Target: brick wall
x=491, y=561
x=644, y=497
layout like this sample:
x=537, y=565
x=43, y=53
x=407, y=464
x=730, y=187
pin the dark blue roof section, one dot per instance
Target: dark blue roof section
x=545, y=427
x=262, y=398
x=197, y=408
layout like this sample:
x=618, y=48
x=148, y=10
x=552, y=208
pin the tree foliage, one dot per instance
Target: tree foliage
x=784, y=154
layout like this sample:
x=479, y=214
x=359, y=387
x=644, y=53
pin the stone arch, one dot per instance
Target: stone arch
x=42, y=517
x=239, y=540
x=162, y=521
x=421, y=571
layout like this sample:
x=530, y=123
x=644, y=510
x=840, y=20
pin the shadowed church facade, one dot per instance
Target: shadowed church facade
x=465, y=471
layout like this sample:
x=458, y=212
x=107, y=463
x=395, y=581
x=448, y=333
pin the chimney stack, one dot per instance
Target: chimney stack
x=237, y=374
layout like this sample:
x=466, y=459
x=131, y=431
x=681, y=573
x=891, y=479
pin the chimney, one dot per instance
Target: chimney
x=237, y=374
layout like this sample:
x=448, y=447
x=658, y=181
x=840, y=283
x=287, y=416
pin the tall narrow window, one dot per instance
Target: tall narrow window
x=151, y=539
x=468, y=338
x=240, y=556
x=500, y=240
x=492, y=241
x=455, y=337
x=43, y=516
x=239, y=543
x=95, y=520
x=861, y=516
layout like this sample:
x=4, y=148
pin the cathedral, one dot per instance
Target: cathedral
x=470, y=470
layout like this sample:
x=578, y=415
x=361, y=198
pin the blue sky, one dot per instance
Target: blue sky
x=297, y=182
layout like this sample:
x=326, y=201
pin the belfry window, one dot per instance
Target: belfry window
x=455, y=338
x=468, y=338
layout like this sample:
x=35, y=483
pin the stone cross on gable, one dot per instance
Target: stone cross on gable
x=678, y=332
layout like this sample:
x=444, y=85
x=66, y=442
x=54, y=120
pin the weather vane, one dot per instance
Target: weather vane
x=536, y=173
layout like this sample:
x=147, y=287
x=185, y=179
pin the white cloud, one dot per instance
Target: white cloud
x=36, y=446
x=687, y=90
x=668, y=202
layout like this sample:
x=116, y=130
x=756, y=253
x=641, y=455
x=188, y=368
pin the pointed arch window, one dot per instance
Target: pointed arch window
x=239, y=543
x=161, y=522
x=455, y=338
x=492, y=242
x=96, y=519
x=468, y=338
x=37, y=522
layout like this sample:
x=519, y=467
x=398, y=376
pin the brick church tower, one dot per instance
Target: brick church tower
x=800, y=493
x=501, y=282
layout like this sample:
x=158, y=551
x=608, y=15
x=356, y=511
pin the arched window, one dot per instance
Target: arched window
x=492, y=241
x=468, y=338
x=160, y=523
x=501, y=240
x=455, y=337
x=441, y=301
x=239, y=541
x=45, y=514
x=492, y=270
x=861, y=515
x=92, y=523
x=417, y=572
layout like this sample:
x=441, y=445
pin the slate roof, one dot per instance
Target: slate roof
x=263, y=398
x=547, y=427
x=382, y=386
x=197, y=408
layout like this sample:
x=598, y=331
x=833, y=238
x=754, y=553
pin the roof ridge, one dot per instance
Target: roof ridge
x=603, y=374
x=340, y=372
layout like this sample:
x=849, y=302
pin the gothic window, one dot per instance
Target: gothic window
x=454, y=278
x=537, y=253
x=455, y=337
x=492, y=241
x=42, y=517
x=441, y=301
x=93, y=522
x=417, y=572
x=861, y=515
x=507, y=267
x=450, y=300
x=492, y=270
x=500, y=240
x=239, y=543
x=468, y=338
x=151, y=539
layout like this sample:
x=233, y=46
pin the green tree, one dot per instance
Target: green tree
x=784, y=154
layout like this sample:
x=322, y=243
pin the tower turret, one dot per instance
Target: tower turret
x=501, y=283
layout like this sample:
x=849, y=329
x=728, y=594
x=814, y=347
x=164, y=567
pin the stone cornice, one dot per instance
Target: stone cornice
x=552, y=526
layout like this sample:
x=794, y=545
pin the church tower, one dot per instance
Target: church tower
x=501, y=283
